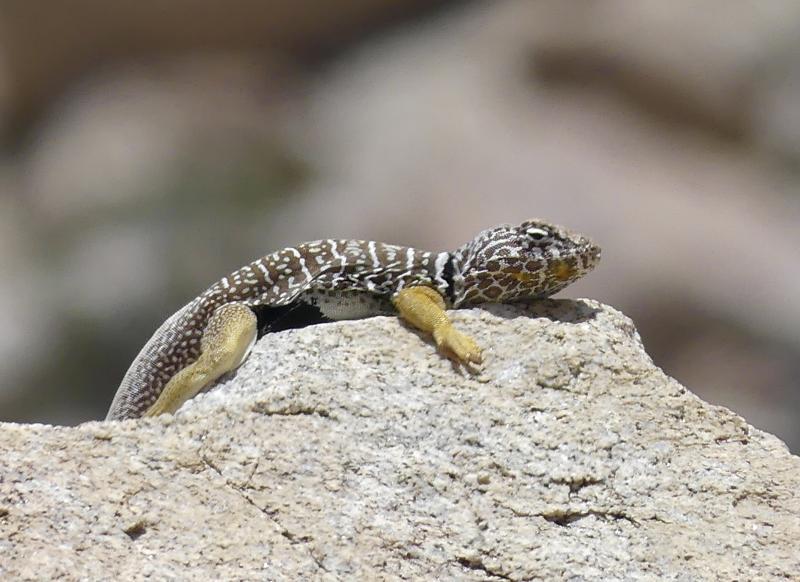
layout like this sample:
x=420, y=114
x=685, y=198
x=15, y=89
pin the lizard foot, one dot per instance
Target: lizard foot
x=458, y=345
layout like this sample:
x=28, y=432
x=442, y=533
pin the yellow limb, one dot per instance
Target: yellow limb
x=424, y=308
x=227, y=340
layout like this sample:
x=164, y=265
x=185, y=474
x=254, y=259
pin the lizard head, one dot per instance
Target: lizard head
x=514, y=263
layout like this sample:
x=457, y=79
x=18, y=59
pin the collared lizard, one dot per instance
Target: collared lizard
x=330, y=280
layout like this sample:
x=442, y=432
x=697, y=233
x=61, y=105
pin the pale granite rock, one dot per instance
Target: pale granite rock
x=352, y=451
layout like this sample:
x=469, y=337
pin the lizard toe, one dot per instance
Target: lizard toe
x=460, y=346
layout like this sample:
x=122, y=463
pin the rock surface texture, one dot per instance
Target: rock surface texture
x=353, y=451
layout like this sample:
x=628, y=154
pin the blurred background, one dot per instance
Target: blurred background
x=148, y=148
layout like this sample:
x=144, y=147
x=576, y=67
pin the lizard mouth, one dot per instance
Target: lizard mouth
x=558, y=270
x=545, y=275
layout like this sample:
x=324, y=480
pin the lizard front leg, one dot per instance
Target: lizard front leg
x=424, y=308
x=227, y=340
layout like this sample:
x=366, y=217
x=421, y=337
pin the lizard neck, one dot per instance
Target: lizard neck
x=454, y=275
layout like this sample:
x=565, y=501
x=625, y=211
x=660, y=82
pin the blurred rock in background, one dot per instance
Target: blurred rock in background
x=147, y=153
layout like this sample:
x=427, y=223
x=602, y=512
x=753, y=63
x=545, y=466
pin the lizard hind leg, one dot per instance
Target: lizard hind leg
x=226, y=341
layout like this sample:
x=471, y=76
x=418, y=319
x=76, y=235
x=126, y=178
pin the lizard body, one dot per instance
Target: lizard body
x=331, y=280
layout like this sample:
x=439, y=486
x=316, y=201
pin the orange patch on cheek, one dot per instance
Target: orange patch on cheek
x=521, y=276
x=562, y=271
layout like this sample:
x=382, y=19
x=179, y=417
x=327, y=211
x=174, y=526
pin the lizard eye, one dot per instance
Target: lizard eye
x=539, y=235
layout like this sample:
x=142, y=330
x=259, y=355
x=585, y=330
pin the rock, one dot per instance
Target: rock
x=353, y=451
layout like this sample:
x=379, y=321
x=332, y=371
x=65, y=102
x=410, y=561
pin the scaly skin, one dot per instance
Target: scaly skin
x=331, y=280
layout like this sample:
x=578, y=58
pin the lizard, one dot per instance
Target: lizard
x=330, y=280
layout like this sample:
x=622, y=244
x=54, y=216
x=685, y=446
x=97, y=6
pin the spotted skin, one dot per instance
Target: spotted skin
x=330, y=280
